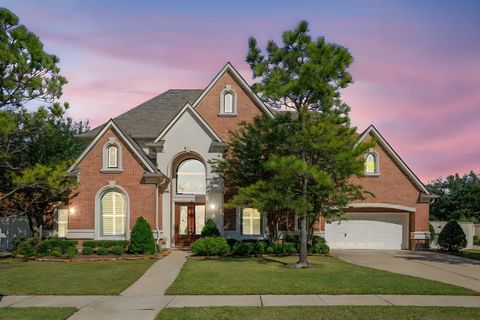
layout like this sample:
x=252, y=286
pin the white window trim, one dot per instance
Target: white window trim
x=105, y=156
x=376, y=173
x=226, y=90
x=251, y=224
x=112, y=186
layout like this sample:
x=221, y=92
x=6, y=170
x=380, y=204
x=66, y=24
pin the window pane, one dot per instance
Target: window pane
x=199, y=218
x=228, y=103
x=183, y=227
x=370, y=164
x=113, y=214
x=230, y=219
x=251, y=222
x=191, y=177
x=112, y=157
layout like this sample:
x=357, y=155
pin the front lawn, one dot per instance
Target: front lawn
x=36, y=313
x=328, y=275
x=471, y=253
x=320, y=313
x=26, y=277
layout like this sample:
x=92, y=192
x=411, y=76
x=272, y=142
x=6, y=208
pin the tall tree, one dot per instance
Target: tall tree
x=27, y=72
x=459, y=197
x=36, y=148
x=307, y=76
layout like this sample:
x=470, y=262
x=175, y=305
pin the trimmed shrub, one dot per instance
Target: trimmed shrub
x=141, y=238
x=476, y=240
x=88, y=251
x=210, y=229
x=432, y=232
x=320, y=248
x=231, y=242
x=56, y=252
x=102, y=251
x=277, y=248
x=452, y=238
x=70, y=252
x=105, y=243
x=289, y=248
x=210, y=246
x=27, y=246
x=269, y=249
x=318, y=239
x=243, y=248
x=260, y=247
x=117, y=250
x=58, y=244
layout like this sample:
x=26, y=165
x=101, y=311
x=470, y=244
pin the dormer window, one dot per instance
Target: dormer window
x=112, y=156
x=371, y=163
x=228, y=102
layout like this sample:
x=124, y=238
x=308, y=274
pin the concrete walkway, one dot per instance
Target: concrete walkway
x=441, y=267
x=112, y=307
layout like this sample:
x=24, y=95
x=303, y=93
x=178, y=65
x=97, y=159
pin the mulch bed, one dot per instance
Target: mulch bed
x=96, y=257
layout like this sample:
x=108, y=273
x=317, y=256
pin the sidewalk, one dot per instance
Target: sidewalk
x=158, y=302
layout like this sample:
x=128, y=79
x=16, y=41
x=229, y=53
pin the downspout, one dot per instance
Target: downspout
x=156, y=214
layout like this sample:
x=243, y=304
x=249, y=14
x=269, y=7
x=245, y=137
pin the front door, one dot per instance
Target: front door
x=189, y=222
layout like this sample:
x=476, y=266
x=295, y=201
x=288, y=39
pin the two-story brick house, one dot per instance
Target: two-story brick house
x=153, y=161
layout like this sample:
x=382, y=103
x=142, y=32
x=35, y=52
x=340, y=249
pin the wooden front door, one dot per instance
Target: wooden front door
x=189, y=222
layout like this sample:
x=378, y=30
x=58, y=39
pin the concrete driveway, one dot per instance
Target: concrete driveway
x=429, y=265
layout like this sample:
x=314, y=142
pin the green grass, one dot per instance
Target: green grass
x=328, y=275
x=36, y=313
x=320, y=313
x=25, y=277
x=471, y=253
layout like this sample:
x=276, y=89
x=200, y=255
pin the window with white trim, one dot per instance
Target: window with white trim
x=228, y=102
x=191, y=177
x=371, y=164
x=251, y=221
x=112, y=156
x=113, y=213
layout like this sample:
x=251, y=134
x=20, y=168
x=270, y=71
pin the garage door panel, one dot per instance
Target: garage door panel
x=368, y=231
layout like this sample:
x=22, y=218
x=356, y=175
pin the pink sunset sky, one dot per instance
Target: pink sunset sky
x=416, y=69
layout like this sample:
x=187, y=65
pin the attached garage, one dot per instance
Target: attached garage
x=363, y=230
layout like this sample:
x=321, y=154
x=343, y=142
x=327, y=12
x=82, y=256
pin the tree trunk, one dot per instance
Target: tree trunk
x=303, y=254
x=35, y=226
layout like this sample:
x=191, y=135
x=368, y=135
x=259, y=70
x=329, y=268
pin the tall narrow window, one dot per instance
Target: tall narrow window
x=112, y=155
x=251, y=221
x=371, y=165
x=191, y=177
x=228, y=103
x=114, y=211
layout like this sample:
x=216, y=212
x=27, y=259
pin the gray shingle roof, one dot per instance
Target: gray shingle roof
x=151, y=117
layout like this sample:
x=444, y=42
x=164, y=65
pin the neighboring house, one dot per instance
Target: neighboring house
x=153, y=161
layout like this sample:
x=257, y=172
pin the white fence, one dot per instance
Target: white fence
x=467, y=227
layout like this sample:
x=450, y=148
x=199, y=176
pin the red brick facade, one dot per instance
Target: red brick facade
x=393, y=186
x=209, y=107
x=91, y=180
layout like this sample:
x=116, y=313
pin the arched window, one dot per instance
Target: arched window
x=191, y=177
x=113, y=210
x=228, y=103
x=112, y=156
x=371, y=163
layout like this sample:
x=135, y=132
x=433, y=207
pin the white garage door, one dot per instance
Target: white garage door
x=368, y=231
